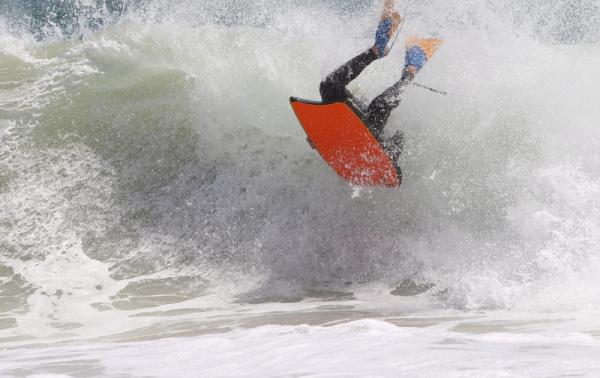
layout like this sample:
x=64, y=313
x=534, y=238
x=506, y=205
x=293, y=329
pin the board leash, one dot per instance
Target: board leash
x=431, y=89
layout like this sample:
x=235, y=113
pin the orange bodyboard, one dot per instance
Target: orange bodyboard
x=346, y=144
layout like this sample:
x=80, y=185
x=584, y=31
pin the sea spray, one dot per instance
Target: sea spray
x=157, y=154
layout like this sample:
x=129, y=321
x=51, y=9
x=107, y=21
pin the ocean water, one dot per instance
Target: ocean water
x=162, y=215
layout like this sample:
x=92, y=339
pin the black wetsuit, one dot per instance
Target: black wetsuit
x=333, y=89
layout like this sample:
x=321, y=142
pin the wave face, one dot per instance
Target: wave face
x=150, y=158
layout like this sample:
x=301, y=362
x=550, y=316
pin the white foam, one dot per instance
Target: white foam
x=509, y=218
x=5, y=126
x=357, y=349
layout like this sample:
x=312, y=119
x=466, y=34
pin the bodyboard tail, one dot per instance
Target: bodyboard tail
x=343, y=140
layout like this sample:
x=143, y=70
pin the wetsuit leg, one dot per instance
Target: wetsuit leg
x=333, y=88
x=382, y=106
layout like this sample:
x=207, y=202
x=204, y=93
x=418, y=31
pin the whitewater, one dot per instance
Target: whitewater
x=161, y=214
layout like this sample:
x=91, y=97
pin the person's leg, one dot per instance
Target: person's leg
x=382, y=106
x=333, y=88
x=418, y=52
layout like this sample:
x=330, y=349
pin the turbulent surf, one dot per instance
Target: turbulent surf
x=154, y=183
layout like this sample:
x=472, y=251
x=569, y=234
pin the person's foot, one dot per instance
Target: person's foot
x=387, y=32
x=418, y=52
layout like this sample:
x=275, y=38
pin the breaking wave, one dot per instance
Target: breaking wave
x=149, y=157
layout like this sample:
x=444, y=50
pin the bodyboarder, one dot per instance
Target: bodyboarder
x=418, y=52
